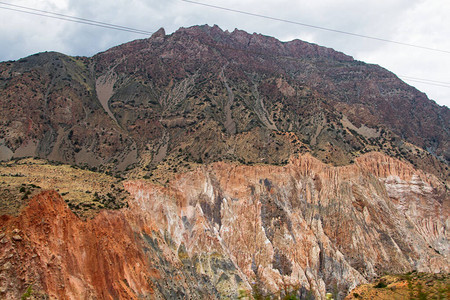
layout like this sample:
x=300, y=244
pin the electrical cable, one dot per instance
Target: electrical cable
x=58, y=16
x=432, y=81
x=425, y=81
x=63, y=17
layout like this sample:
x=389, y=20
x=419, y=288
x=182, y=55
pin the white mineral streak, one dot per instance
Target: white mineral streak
x=306, y=224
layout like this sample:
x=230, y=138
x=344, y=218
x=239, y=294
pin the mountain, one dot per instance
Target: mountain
x=228, y=161
x=171, y=97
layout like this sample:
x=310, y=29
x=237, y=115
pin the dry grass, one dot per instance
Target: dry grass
x=85, y=192
x=412, y=285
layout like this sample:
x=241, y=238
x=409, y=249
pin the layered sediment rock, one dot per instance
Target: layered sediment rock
x=224, y=227
x=158, y=104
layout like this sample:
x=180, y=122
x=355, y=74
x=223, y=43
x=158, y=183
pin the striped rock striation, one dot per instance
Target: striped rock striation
x=222, y=228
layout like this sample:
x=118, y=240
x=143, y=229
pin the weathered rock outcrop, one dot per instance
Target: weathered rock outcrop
x=223, y=227
x=50, y=249
x=64, y=257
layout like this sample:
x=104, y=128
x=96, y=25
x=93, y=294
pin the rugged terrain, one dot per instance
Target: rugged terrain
x=224, y=227
x=209, y=164
x=201, y=95
x=411, y=285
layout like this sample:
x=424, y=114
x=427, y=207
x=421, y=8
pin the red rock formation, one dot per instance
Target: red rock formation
x=52, y=249
x=224, y=226
x=167, y=104
x=307, y=224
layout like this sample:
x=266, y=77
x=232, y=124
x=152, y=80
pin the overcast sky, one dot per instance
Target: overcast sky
x=424, y=23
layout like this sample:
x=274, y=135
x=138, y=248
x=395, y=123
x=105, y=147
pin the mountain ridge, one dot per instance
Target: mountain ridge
x=161, y=81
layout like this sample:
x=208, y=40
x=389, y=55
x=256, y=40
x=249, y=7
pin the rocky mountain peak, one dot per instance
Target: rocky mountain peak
x=240, y=40
x=160, y=33
x=202, y=77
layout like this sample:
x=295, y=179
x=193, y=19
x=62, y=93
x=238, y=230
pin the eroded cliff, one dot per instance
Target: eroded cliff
x=216, y=231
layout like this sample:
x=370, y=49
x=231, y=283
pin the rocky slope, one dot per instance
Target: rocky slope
x=219, y=164
x=158, y=104
x=224, y=227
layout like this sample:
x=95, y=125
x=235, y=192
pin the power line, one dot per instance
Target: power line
x=63, y=17
x=48, y=14
x=425, y=81
x=314, y=26
x=432, y=81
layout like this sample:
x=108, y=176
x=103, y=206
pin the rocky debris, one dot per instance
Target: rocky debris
x=16, y=237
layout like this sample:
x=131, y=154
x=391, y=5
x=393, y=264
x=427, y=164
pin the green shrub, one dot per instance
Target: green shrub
x=380, y=285
x=27, y=293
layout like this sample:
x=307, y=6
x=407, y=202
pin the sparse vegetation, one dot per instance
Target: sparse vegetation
x=412, y=285
x=28, y=293
x=287, y=292
x=85, y=192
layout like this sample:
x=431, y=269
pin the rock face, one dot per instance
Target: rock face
x=253, y=164
x=224, y=227
x=62, y=257
x=157, y=104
